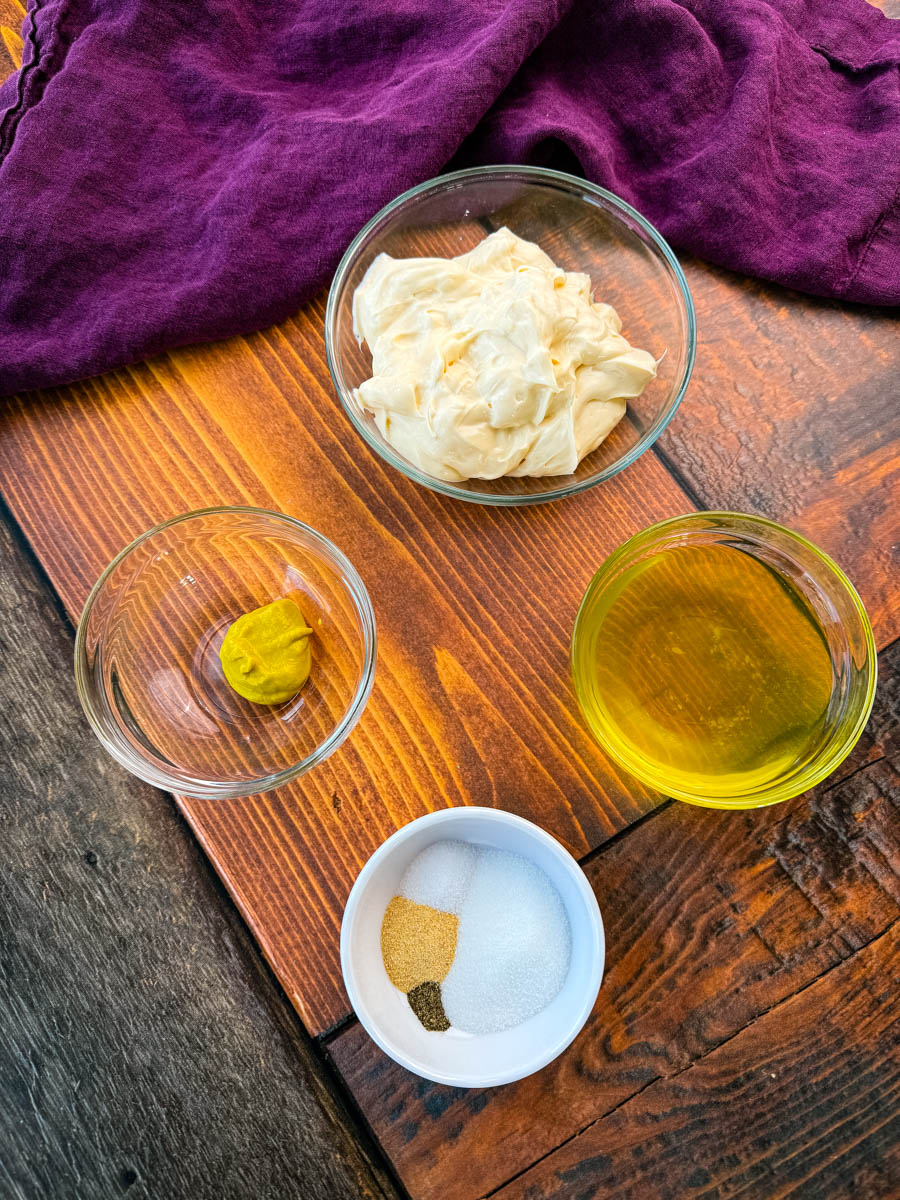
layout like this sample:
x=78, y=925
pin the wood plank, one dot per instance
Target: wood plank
x=145, y=1048
x=712, y=919
x=12, y=13
x=465, y=710
x=804, y=1102
x=794, y=413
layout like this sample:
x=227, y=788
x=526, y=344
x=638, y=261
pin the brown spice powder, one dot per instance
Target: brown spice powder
x=417, y=943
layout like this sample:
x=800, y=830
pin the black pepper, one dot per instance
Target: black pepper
x=425, y=1001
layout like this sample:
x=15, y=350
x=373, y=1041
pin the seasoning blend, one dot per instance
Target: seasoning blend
x=478, y=938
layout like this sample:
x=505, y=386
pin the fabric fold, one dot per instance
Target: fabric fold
x=182, y=172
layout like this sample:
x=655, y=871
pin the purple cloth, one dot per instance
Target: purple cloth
x=181, y=170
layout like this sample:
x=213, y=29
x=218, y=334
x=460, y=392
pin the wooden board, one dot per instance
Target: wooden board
x=472, y=699
x=712, y=920
x=804, y=1102
x=458, y=681
x=146, y=1049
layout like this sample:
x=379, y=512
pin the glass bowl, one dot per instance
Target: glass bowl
x=807, y=575
x=147, y=652
x=583, y=228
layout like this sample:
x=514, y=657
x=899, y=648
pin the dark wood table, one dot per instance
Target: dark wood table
x=745, y=1039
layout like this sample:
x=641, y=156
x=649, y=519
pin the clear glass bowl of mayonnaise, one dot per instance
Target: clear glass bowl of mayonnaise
x=583, y=229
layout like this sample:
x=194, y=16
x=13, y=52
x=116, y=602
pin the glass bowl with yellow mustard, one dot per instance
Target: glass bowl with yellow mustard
x=225, y=652
x=724, y=660
x=509, y=335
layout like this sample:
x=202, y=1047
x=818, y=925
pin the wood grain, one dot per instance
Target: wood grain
x=881, y=736
x=459, y=683
x=804, y=1102
x=12, y=13
x=712, y=920
x=794, y=413
x=472, y=700
x=146, y=1050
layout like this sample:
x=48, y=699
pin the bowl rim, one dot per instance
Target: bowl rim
x=534, y=1061
x=773, y=793
x=533, y=175
x=131, y=758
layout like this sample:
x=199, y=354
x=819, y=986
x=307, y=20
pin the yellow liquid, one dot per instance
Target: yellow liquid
x=707, y=667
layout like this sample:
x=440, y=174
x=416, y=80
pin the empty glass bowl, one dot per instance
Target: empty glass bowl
x=583, y=228
x=147, y=652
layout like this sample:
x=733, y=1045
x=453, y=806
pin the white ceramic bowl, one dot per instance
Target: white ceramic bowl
x=455, y=1058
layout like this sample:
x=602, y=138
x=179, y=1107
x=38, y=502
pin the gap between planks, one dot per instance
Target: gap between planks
x=840, y=964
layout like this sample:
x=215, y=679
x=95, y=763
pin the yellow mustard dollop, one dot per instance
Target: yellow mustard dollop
x=265, y=654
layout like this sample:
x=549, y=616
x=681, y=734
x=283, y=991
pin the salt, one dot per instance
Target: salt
x=440, y=875
x=513, y=946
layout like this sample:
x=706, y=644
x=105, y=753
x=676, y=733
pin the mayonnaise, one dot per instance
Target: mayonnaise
x=493, y=363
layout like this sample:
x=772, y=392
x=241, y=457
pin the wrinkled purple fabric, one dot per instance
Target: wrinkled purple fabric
x=181, y=170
